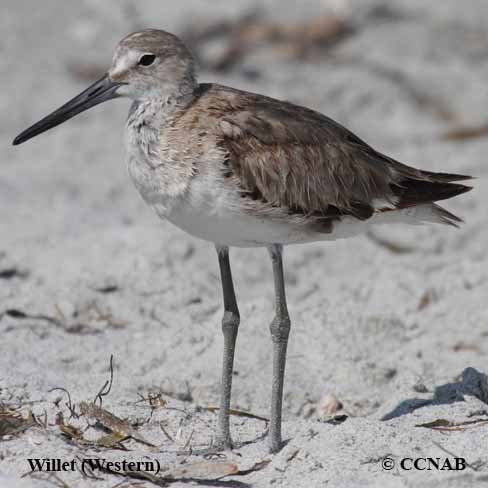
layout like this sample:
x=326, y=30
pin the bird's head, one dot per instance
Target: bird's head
x=147, y=64
x=152, y=63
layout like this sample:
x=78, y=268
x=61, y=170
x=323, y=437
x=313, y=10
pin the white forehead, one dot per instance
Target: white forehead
x=125, y=58
x=125, y=54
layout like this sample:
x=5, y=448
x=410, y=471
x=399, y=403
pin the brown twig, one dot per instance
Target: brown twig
x=107, y=387
x=239, y=413
x=69, y=404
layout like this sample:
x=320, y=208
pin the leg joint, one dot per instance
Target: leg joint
x=280, y=328
x=230, y=320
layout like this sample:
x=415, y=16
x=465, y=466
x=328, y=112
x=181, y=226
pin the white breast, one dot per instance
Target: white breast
x=160, y=183
x=200, y=203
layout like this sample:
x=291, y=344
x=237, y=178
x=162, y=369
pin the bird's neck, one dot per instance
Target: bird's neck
x=159, y=174
x=151, y=114
x=157, y=107
x=147, y=119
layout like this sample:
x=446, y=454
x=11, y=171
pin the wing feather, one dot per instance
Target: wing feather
x=294, y=158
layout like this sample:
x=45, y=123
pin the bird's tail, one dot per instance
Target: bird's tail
x=417, y=193
x=425, y=187
x=412, y=192
x=442, y=216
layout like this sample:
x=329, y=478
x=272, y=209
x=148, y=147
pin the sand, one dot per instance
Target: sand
x=393, y=324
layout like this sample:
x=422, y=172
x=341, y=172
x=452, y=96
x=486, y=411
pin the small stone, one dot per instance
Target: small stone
x=328, y=405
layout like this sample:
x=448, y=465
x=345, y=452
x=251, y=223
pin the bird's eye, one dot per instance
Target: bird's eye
x=147, y=59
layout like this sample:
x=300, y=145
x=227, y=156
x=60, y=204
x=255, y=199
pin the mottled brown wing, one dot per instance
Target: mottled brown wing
x=293, y=157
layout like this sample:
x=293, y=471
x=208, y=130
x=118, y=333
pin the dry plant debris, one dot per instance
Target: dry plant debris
x=252, y=31
x=239, y=413
x=12, y=272
x=208, y=469
x=428, y=297
x=445, y=425
x=465, y=133
x=120, y=428
x=87, y=319
x=13, y=423
x=393, y=247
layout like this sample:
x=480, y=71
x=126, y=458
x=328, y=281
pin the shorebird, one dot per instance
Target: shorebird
x=242, y=169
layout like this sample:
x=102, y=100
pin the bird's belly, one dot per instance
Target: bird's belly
x=226, y=226
x=243, y=230
x=207, y=209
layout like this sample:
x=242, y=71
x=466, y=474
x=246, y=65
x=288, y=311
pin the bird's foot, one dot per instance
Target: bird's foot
x=274, y=446
x=275, y=442
x=223, y=443
x=216, y=450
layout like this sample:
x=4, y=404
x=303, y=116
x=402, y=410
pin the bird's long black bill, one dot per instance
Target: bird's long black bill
x=101, y=91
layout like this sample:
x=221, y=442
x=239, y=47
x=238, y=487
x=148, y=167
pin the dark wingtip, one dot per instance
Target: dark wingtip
x=462, y=189
x=446, y=177
x=414, y=192
x=18, y=140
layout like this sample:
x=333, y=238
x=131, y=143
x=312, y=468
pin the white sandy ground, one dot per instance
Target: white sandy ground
x=381, y=330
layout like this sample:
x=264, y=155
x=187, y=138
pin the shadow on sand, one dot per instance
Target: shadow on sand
x=472, y=382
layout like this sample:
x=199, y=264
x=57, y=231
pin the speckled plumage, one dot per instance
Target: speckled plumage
x=240, y=169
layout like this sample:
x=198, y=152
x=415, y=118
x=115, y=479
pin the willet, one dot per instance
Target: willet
x=241, y=169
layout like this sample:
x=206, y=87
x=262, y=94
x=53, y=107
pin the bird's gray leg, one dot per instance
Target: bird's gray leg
x=280, y=329
x=230, y=325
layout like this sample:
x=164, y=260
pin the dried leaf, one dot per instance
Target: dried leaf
x=111, y=441
x=106, y=418
x=256, y=467
x=463, y=346
x=448, y=426
x=393, y=247
x=71, y=432
x=333, y=419
x=10, y=424
x=239, y=413
x=435, y=424
x=20, y=314
x=68, y=430
x=13, y=423
x=427, y=299
x=155, y=400
x=465, y=133
x=112, y=422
